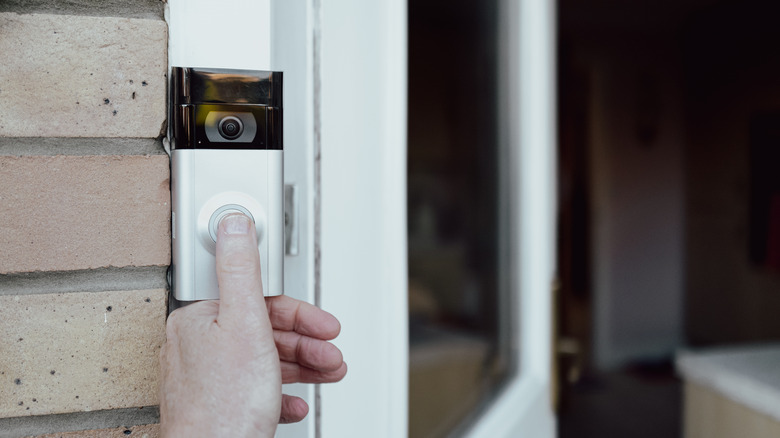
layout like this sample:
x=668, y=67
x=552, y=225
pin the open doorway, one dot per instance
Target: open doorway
x=669, y=130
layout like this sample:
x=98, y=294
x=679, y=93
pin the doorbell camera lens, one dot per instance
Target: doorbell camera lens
x=230, y=127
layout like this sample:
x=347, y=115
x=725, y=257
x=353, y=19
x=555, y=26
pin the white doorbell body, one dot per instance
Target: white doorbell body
x=226, y=156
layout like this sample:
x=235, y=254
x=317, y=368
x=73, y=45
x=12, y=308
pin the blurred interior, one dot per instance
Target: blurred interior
x=669, y=137
x=669, y=205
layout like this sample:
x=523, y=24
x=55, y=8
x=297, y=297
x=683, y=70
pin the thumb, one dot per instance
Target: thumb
x=238, y=271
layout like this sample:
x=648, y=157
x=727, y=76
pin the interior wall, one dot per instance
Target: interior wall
x=733, y=66
x=637, y=204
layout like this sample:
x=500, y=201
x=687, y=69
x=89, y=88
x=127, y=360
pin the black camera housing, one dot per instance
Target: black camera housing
x=206, y=101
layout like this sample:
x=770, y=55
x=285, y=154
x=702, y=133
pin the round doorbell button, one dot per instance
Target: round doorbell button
x=221, y=205
x=223, y=211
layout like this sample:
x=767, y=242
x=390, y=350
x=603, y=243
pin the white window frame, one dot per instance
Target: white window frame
x=524, y=408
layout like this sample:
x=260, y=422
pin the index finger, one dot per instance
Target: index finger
x=301, y=317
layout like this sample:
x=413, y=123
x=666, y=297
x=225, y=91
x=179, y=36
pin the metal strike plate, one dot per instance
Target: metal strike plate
x=290, y=219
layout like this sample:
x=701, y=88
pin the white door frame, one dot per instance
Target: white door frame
x=239, y=34
x=345, y=150
x=363, y=235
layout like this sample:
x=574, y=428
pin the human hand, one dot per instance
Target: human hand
x=221, y=369
x=300, y=333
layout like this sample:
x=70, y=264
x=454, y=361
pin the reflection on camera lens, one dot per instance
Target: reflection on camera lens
x=230, y=127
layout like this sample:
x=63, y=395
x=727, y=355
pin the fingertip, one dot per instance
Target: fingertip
x=236, y=244
x=333, y=358
x=338, y=329
x=294, y=409
x=288, y=313
x=327, y=327
x=235, y=223
x=335, y=328
x=341, y=372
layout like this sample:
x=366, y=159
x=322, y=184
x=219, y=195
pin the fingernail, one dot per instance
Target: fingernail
x=236, y=224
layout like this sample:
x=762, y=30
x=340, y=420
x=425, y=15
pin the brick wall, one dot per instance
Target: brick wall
x=84, y=209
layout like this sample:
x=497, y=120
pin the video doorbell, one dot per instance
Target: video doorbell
x=225, y=133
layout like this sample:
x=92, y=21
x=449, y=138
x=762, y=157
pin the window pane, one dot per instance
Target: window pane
x=458, y=328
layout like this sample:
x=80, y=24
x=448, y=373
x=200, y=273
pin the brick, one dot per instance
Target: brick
x=80, y=351
x=103, y=8
x=146, y=431
x=76, y=76
x=63, y=213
